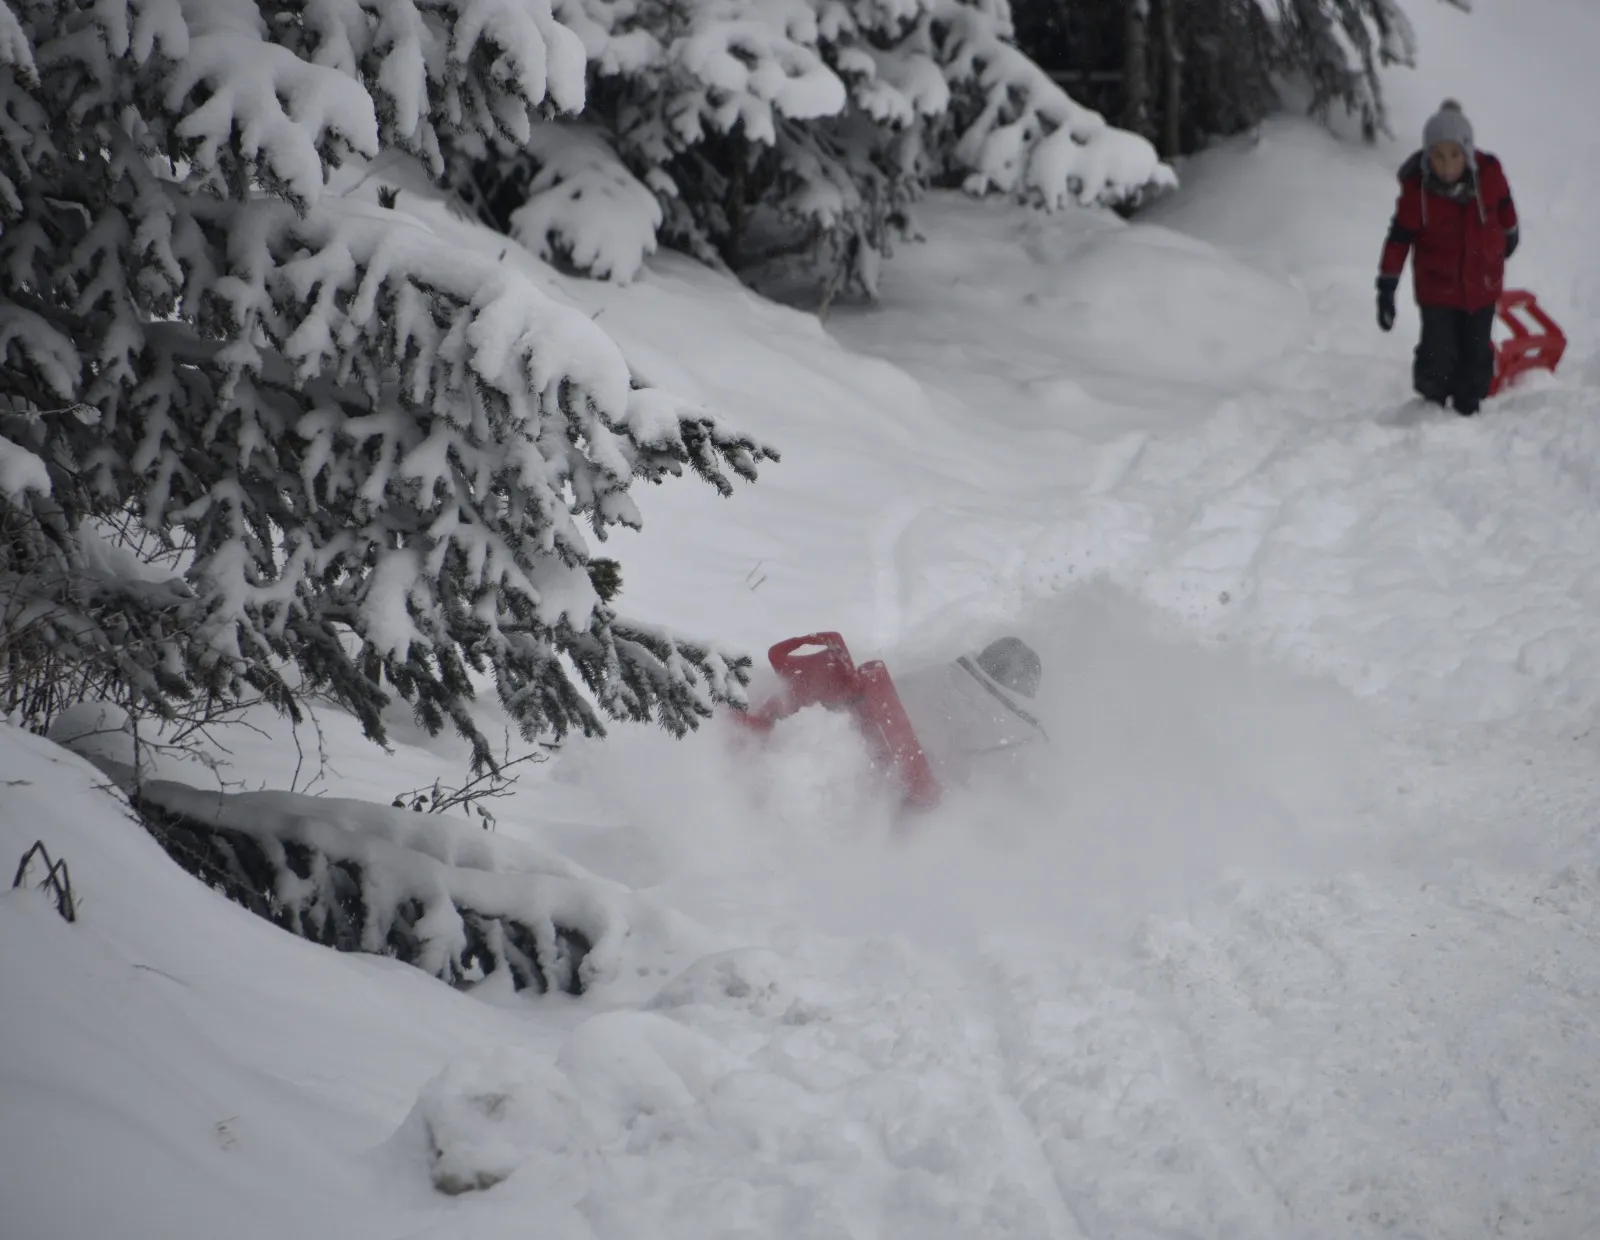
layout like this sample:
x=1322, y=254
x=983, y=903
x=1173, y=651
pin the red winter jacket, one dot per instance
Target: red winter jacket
x=1461, y=243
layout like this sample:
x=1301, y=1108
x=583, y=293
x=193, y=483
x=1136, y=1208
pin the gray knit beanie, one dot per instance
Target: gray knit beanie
x=1450, y=124
x=1011, y=662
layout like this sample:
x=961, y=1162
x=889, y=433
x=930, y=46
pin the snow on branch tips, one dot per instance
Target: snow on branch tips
x=21, y=472
x=1338, y=47
x=751, y=72
x=245, y=107
x=383, y=461
x=15, y=47
x=431, y=891
x=585, y=210
x=804, y=130
x=1023, y=134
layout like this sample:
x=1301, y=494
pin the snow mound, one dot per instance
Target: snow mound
x=194, y=1057
x=1075, y=323
x=20, y=470
x=694, y=1120
x=637, y=1066
x=1150, y=301
x=98, y=731
x=488, y=1116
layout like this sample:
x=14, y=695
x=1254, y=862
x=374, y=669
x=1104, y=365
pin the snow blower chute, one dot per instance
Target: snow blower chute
x=817, y=670
x=1535, y=345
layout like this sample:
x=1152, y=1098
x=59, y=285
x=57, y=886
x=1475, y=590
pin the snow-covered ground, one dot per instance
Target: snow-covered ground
x=1296, y=934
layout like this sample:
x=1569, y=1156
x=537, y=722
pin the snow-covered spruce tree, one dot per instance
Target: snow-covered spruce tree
x=1339, y=46
x=1228, y=53
x=1191, y=70
x=702, y=102
x=777, y=126
x=373, y=454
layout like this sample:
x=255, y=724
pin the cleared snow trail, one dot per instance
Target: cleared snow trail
x=1311, y=510
x=1293, y=1061
x=1115, y=1094
x=1363, y=1049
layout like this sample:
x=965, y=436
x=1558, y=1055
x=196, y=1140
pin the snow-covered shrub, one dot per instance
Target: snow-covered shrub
x=356, y=877
x=556, y=1133
x=374, y=451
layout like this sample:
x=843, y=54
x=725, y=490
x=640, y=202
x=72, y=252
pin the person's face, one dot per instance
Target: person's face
x=1449, y=161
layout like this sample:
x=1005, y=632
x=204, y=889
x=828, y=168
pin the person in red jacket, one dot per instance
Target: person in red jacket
x=1455, y=210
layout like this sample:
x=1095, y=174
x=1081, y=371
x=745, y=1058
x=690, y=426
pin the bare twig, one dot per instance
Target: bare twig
x=489, y=784
x=57, y=880
x=300, y=754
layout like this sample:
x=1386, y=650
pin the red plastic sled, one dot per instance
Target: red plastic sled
x=1526, y=349
x=817, y=670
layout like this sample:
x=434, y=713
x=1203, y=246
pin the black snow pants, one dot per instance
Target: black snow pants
x=1455, y=360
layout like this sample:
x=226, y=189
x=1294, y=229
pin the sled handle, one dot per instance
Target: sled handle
x=1526, y=349
x=1526, y=302
x=882, y=716
x=825, y=676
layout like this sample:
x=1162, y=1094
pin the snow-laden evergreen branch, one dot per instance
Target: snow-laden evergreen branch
x=1339, y=46
x=584, y=209
x=1026, y=133
x=813, y=125
x=384, y=458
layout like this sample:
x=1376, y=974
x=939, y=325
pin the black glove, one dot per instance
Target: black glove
x=1386, y=287
x=1512, y=239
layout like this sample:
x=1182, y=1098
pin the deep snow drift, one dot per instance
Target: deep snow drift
x=1294, y=935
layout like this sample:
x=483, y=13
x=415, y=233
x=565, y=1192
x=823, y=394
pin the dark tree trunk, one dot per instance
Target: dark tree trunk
x=1136, y=111
x=1178, y=72
x=1172, y=102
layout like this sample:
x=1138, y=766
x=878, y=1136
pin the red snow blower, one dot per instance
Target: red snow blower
x=816, y=670
x=1531, y=346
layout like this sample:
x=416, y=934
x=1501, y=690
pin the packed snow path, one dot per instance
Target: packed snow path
x=1307, y=504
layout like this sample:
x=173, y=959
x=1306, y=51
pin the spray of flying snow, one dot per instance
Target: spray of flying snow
x=1172, y=767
